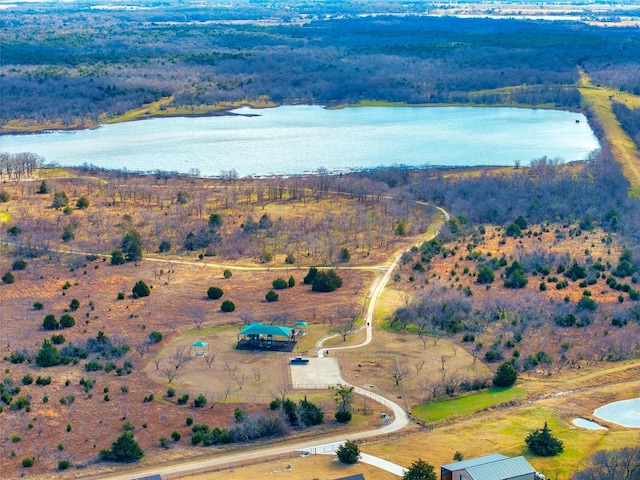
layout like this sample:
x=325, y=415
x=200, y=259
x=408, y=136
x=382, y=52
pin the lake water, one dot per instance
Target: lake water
x=299, y=139
x=624, y=412
x=587, y=424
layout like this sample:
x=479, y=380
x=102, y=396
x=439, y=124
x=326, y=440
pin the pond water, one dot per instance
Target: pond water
x=624, y=412
x=299, y=139
x=588, y=424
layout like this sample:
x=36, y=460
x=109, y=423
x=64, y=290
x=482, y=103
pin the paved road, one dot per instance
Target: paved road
x=375, y=291
x=326, y=373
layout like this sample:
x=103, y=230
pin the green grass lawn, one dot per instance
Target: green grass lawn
x=433, y=412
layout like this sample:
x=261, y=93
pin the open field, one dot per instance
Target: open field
x=433, y=412
x=163, y=108
x=593, y=14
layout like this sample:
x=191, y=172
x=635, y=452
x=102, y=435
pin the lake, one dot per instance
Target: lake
x=299, y=139
x=624, y=412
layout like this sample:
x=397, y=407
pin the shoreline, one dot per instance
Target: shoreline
x=223, y=111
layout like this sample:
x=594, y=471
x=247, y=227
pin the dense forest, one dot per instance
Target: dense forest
x=82, y=65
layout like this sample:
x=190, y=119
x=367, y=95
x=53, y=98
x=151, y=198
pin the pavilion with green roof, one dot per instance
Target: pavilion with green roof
x=198, y=348
x=266, y=337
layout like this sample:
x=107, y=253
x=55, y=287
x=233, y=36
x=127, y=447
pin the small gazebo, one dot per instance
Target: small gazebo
x=301, y=327
x=198, y=348
x=266, y=337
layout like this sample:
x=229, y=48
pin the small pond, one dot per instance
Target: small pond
x=624, y=412
x=588, y=424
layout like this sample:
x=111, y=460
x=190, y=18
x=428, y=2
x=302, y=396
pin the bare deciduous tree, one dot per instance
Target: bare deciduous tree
x=399, y=374
x=345, y=327
x=433, y=387
x=172, y=324
x=231, y=368
x=156, y=361
x=178, y=357
x=198, y=320
x=451, y=383
x=171, y=373
x=142, y=348
x=422, y=328
x=443, y=370
x=281, y=392
x=240, y=379
x=227, y=391
x=476, y=351
x=41, y=452
x=347, y=316
x=209, y=358
x=247, y=317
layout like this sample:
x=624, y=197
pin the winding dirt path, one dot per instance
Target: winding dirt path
x=320, y=445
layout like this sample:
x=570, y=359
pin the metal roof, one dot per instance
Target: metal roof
x=260, y=329
x=357, y=476
x=501, y=470
x=472, y=462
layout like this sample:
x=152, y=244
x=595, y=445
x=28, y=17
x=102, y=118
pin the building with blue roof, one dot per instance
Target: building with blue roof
x=490, y=467
x=266, y=337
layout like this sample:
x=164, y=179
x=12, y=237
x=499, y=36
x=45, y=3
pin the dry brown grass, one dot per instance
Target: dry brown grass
x=178, y=304
x=556, y=241
x=314, y=467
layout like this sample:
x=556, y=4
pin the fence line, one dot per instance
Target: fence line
x=221, y=397
x=404, y=393
x=313, y=386
x=231, y=466
x=351, y=353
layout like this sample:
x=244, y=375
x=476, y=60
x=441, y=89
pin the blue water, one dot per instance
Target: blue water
x=299, y=139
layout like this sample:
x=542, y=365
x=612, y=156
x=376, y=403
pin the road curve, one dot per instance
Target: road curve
x=400, y=418
x=376, y=290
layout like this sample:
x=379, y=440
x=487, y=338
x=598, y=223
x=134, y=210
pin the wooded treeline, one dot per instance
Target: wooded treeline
x=261, y=219
x=173, y=213
x=629, y=118
x=77, y=65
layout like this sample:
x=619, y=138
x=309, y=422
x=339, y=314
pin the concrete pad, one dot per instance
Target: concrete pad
x=383, y=464
x=330, y=449
x=318, y=373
